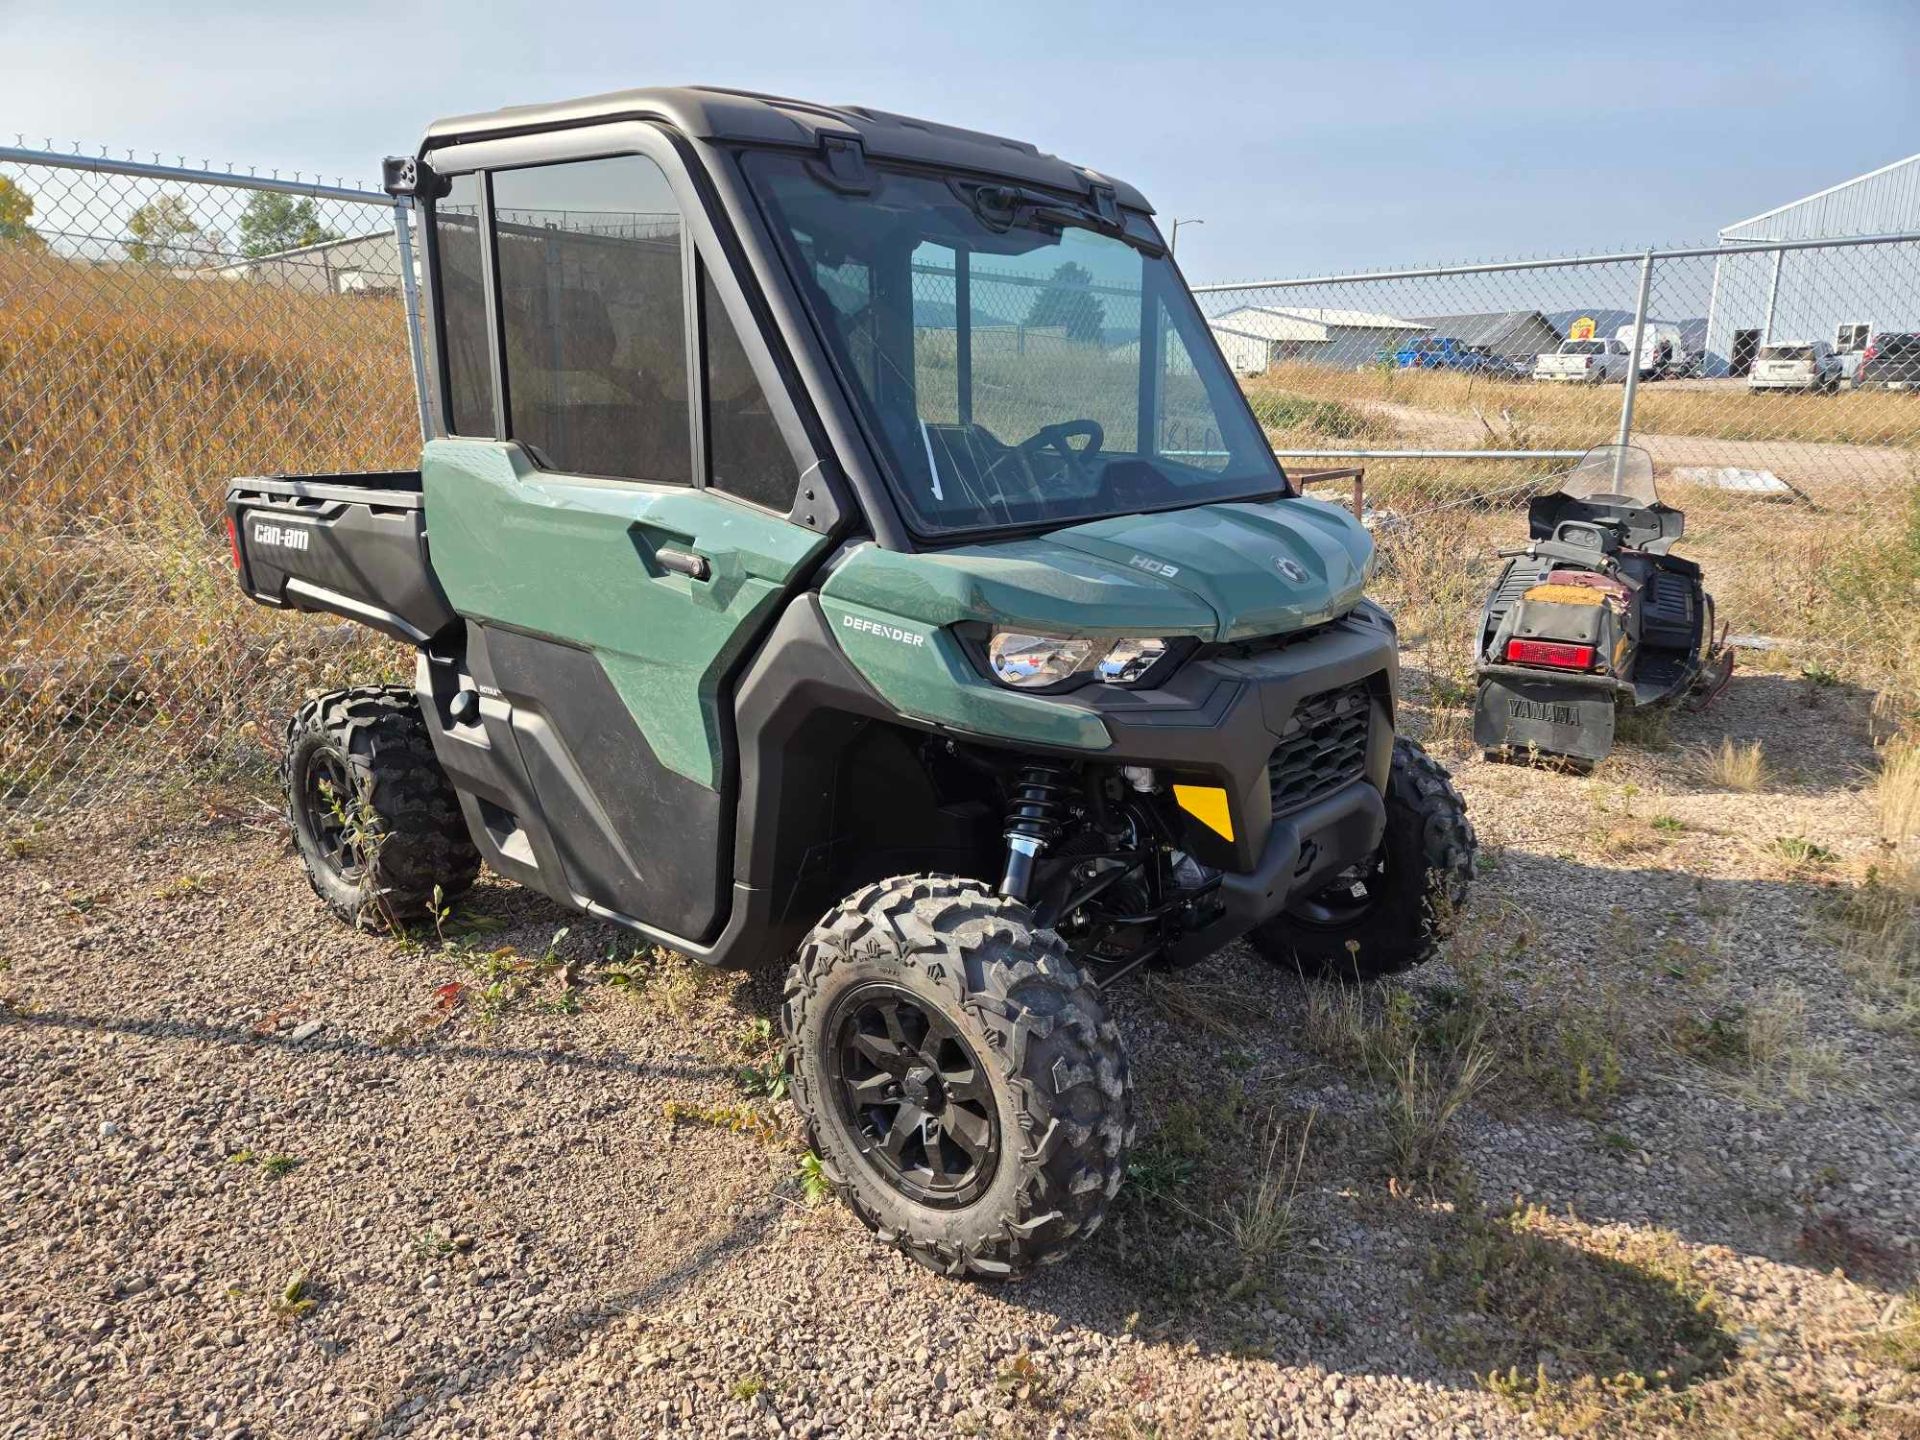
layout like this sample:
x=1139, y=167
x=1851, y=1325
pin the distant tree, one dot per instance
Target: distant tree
x=273, y=222
x=1068, y=303
x=162, y=229
x=16, y=210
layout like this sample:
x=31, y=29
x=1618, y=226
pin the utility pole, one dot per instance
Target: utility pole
x=1173, y=241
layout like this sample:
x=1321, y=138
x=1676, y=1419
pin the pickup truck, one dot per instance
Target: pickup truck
x=1434, y=352
x=1443, y=352
x=1585, y=362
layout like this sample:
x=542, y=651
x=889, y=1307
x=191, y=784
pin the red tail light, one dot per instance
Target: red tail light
x=1550, y=652
x=1868, y=354
x=233, y=543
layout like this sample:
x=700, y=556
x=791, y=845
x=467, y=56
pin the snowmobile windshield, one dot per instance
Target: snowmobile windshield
x=1612, y=474
x=1019, y=358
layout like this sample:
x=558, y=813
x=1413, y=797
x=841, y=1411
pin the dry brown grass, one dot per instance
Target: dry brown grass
x=129, y=398
x=1897, y=794
x=1734, y=766
x=1548, y=414
x=1879, y=921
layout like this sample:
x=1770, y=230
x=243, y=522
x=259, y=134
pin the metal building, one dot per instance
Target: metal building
x=358, y=264
x=1253, y=337
x=1842, y=295
x=1510, y=334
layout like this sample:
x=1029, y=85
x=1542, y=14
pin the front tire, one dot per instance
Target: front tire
x=957, y=1075
x=1392, y=913
x=377, y=825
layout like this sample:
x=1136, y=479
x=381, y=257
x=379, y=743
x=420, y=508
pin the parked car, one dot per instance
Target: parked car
x=1585, y=362
x=1891, y=361
x=1443, y=352
x=1803, y=365
x=1490, y=362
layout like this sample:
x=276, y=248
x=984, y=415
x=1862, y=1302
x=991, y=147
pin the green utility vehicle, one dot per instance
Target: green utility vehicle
x=841, y=535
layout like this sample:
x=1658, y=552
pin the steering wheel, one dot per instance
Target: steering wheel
x=1055, y=438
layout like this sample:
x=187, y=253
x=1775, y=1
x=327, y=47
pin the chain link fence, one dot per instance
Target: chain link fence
x=1776, y=386
x=163, y=329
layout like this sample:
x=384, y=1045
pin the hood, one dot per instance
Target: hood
x=1218, y=572
x=1263, y=569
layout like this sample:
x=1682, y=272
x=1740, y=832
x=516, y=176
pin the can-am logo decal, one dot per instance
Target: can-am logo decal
x=1291, y=569
x=885, y=632
x=287, y=537
x=1154, y=567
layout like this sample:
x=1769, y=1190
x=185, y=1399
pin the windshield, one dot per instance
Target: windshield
x=1786, y=352
x=1612, y=474
x=1583, y=347
x=1016, y=370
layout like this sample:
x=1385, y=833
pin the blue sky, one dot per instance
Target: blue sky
x=1309, y=137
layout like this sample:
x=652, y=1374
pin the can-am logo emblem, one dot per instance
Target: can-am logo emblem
x=1291, y=569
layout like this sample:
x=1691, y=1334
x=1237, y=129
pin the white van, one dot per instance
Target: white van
x=1663, y=351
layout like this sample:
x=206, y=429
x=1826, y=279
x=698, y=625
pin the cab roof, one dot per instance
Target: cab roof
x=743, y=117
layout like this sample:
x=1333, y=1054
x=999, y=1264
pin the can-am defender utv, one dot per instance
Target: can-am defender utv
x=840, y=533
x=1592, y=615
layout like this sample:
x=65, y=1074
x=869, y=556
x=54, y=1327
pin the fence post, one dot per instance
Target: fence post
x=1773, y=297
x=1633, y=360
x=410, y=293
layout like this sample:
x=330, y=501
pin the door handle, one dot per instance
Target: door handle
x=682, y=562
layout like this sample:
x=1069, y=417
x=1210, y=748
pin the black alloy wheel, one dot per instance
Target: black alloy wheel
x=327, y=795
x=911, y=1088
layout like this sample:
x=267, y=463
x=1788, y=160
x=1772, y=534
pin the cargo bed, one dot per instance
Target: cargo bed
x=353, y=545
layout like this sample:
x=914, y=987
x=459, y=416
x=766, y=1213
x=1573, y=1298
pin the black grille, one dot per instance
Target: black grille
x=1325, y=747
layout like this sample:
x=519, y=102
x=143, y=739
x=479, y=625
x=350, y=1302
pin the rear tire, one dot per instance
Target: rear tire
x=1418, y=879
x=957, y=1075
x=375, y=821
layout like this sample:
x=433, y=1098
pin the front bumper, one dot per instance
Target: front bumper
x=1304, y=851
x=1227, y=713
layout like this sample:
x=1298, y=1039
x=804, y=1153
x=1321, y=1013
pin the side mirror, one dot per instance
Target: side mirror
x=405, y=175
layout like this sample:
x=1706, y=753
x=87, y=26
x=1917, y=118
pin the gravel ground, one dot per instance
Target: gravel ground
x=541, y=1200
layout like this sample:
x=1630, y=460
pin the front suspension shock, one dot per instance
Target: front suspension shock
x=1034, y=819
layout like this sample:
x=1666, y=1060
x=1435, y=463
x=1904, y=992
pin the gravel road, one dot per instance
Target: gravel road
x=267, y=1177
x=1829, y=470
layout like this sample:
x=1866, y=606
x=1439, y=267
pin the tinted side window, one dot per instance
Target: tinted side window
x=463, y=308
x=593, y=312
x=746, y=455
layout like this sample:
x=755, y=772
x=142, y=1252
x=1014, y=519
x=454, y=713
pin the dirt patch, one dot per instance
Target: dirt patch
x=267, y=1177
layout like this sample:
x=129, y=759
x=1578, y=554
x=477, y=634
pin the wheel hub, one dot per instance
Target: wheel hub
x=922, y=1087
x=913, y=1095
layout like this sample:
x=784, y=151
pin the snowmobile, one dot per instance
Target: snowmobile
x=1595, y=614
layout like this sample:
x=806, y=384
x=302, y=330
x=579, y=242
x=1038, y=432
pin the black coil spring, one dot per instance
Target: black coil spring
x=1039, y=802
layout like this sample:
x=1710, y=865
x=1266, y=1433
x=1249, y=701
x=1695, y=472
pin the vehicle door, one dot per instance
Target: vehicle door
x=609, y=506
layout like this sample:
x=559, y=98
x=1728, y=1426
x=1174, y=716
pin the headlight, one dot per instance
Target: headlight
x=1127, y=661
x=1037, y=662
